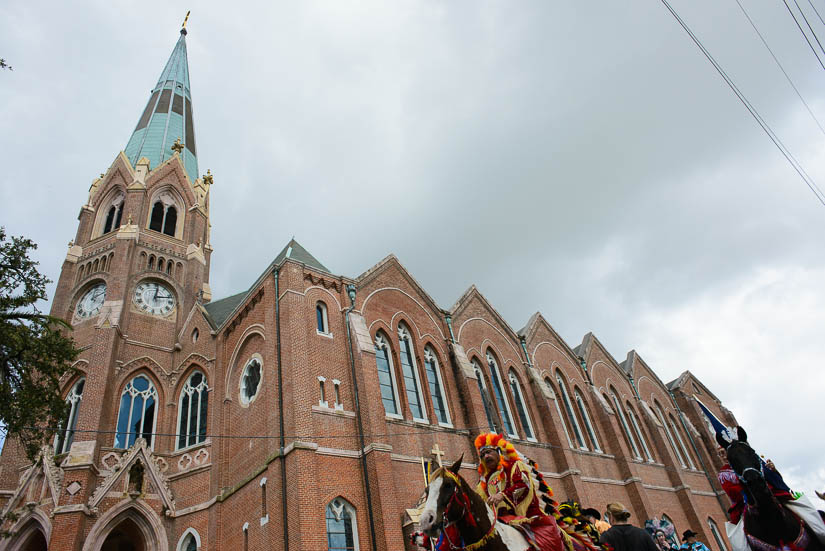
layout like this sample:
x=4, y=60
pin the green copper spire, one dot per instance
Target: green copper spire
x=168, y=116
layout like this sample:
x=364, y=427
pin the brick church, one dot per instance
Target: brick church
x=296, y=413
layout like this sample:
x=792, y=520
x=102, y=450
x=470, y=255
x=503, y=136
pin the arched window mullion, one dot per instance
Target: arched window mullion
x=521, y=408
x=438, y=393
x=682, y=444
x=412, y=382
x=625, y=427
x=568, y=406
x=591, y=431
x=501, y=398
x=386, y=377
x=638, y=429
x=485, y=399
x=556, y=399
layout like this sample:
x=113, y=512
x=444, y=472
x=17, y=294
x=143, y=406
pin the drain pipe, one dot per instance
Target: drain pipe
x=696, y=451
x=367, y=491
x=281, y=409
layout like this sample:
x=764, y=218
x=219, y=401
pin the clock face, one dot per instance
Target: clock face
x=154, y=298
x=89, y=304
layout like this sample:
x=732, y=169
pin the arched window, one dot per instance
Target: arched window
x=113, y=214
x=386, y=376
x=521, y=407
x=152, y=262
x=190, y=541
x=501, y=401
x=169, y=265
x=716, y=535
x=251, y=379
x=342, y=529
x=192, y=411
x=64, y=437
x=588, y=425
x=669, y=435
x=164, y=216
x=408, y=369
x=137, y=413
x=625, y=427
x=558, y=410
x=442, y=414
x=321, y=320
x=684, y=449
x=638, y=430
x=485, y=397
x=568, y=407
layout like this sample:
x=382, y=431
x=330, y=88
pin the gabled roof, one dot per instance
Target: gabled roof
x=466, y=299
x=219, y=311
x=392, y=260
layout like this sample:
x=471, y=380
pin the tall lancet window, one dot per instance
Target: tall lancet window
x=638, y=429
x=587, y=423
x=192, y=411
x=501, y=400
x=412, y=384
x=65, y=436
x=625, y=427
x=670, y=438
x=568, y=408
x=137, y=413
x=485, y=397
x=556, y=399
x=436, y=385
x=521, y=407
x=386, y=376
x=681, y=441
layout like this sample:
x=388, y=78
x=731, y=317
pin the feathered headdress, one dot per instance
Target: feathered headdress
x=506, y=450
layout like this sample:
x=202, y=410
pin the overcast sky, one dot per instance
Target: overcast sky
x=582, y=159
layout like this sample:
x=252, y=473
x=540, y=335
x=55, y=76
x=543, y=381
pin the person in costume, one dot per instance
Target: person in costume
x=622, y=536
x=508, y=488
x=663, y=543
x=689, y=537
x=595, y=518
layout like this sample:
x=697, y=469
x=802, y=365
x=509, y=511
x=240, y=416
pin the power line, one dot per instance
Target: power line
x=752, y=110
x=790, y=11
x=813, y=32
x=816, y=12
x=781, y=68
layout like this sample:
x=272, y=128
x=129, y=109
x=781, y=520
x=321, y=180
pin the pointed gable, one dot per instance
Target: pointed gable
x=139, y=452
x=472, y=308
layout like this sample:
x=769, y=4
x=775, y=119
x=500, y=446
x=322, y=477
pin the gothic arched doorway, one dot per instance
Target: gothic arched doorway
x=35, y=542
x=126, y=536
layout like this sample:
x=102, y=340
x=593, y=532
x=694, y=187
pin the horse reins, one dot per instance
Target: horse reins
x=460, y=497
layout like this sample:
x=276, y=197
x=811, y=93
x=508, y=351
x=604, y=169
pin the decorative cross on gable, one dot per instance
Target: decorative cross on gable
x=177, y=147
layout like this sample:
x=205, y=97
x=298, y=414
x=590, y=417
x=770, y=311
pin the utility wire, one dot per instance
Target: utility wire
x=816, y=12
x=802, y=13
x=752, y=110
x=781, y=68
x=790, y=11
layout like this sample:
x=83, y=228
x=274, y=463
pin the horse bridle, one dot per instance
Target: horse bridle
x=760, y=471
x=461, y=498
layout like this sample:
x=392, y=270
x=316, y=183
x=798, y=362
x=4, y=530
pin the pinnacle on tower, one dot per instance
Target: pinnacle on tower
x=168, y=117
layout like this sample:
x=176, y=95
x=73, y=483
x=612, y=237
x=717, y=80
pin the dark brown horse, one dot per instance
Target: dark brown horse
x=453, y=508
x=766, y=520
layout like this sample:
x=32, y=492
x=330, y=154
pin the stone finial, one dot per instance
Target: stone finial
x=177, y=147
x=71, y=243
x=207, y=178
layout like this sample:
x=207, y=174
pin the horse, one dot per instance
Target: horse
x=453, y=508
x=768, y=524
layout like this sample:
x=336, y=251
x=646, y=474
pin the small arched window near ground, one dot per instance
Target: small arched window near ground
x=190, y=541
x=442, y=414
x=485, y=396
x=386, y=376
x=521, y=407
x=588, y=425
x=65, y=436
x=501, y=400
x=192, y=411
x=342, y=529
x=250, y=380
x=321, y=320
x=137, y=415
x=114, y=214
x=716, y=535
x=164, y=215
x=568, y=408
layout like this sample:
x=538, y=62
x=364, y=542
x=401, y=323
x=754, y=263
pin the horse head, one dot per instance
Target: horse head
x=444, y=485
x=742, y=458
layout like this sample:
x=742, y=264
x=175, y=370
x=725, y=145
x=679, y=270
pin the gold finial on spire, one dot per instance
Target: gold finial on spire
x=207, y=178
x=177, y=147
x=185, y=19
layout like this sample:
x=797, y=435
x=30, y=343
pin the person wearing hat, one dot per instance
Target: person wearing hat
x=624, y=537
x=595, y=518
x=689, y=537
x=506, y=486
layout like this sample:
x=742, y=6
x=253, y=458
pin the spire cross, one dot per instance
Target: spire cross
x=437, y=452
x=185, y=19
x=177, y=147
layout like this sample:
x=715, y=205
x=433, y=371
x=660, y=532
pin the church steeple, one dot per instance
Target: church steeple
x=168, y=116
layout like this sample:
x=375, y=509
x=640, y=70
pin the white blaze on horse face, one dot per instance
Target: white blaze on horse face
x=429, y=515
